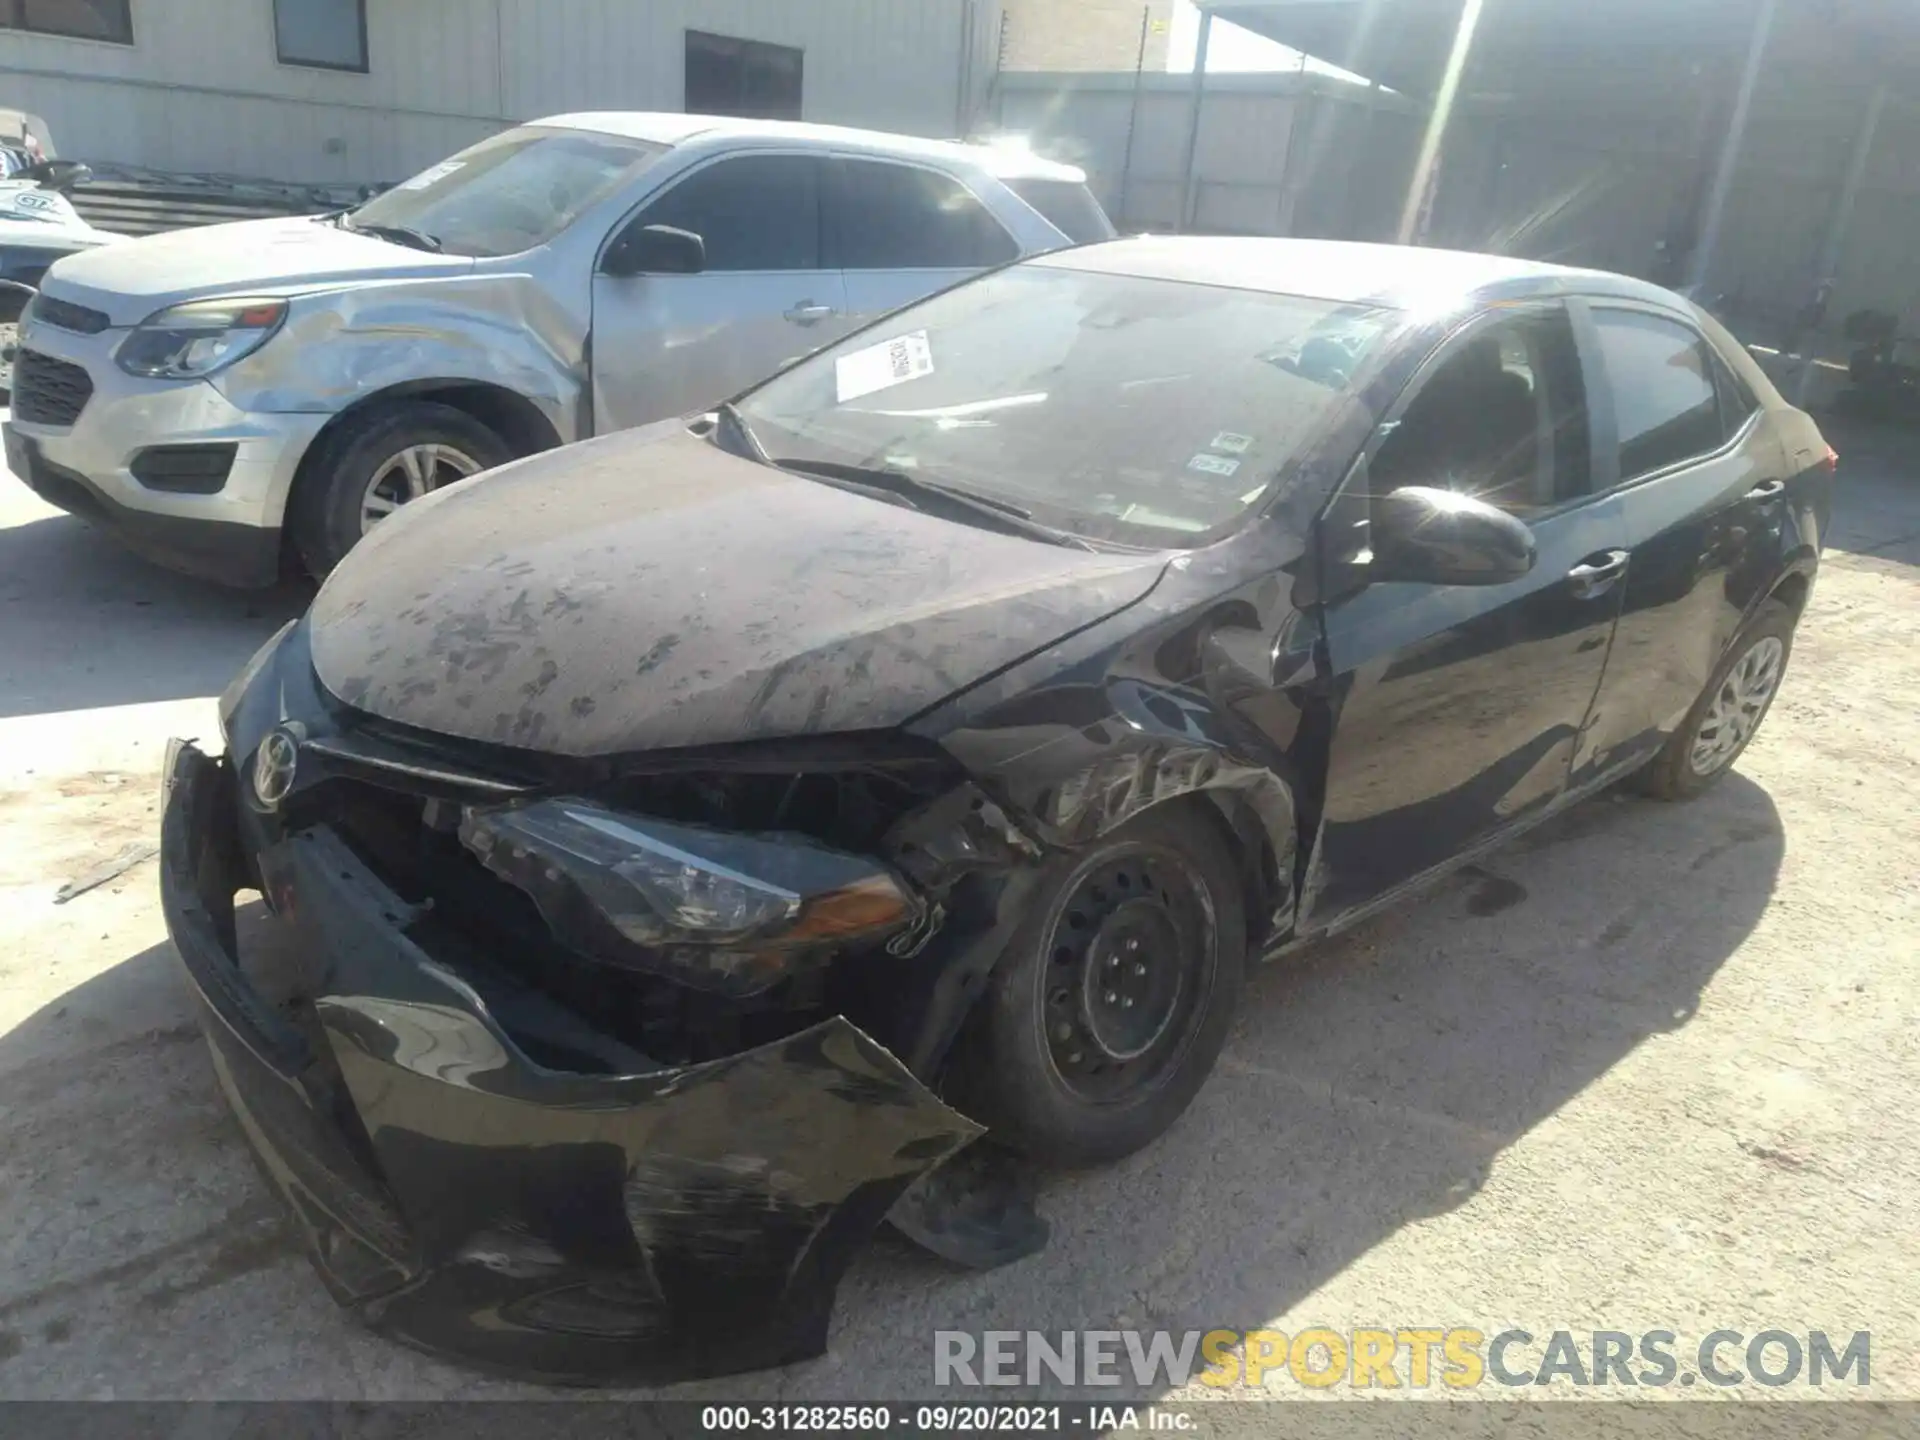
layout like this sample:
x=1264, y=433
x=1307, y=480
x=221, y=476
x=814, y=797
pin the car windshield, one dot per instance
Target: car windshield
x=1139, y=411
x=508, y=193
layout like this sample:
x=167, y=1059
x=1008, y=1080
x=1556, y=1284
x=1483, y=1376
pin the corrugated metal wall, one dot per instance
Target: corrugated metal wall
x=1275, y=156
x=201, y=90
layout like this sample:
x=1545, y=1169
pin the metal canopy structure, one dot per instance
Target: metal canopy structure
x=1523, y=49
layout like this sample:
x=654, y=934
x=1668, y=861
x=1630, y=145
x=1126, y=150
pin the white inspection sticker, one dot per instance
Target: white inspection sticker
x=882, y=366
x=438, y=172
x=1213, y=465
x=1231, y=443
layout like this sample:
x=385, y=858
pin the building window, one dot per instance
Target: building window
x=326, y=34
x=742, y=77
x=85, y=19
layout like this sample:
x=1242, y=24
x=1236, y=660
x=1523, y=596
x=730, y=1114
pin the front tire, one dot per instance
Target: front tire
x=1728, y=713
x=374, y=463
x=1115, y=996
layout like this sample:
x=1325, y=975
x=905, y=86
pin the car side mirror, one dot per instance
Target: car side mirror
x=655, y=250
x=61, y=175
x=1437, y=537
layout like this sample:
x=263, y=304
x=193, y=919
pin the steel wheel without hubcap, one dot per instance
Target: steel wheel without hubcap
x=1736, y=710
x=408, y=475
x=1130, y=959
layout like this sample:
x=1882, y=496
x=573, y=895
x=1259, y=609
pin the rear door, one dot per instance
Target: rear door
x=1699, y=480
x=1457, y=709
x=664, y=345
x=902, y=231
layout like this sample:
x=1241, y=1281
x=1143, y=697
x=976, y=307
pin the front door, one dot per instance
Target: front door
x=1701, y=490
x=904, y=231
x=665, y=345
x=1457, y=709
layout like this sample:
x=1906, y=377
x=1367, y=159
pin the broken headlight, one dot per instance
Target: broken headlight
x=716, y=910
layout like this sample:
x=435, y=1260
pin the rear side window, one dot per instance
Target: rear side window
x=900, y=217
x=755, y=212
x=1069, y=208
x=1665, y=399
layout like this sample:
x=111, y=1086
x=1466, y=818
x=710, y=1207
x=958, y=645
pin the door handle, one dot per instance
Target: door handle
x=1597, y=574
x=1767, y=490
x=808, y=313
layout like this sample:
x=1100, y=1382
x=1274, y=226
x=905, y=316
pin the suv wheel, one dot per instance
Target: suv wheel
x=379, y=461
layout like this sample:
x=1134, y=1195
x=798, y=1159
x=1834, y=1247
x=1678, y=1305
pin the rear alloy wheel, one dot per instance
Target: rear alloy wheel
x=1728, y=713
x=376, y=460
x=1113, y=1001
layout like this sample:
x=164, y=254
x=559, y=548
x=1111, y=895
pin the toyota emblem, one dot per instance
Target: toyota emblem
x=274, y=764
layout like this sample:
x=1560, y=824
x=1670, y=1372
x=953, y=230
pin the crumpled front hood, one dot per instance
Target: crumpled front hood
x=134, y=278
x=650, y=591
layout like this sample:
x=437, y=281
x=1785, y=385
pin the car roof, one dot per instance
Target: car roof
x=1352, y=272
x=662, y=127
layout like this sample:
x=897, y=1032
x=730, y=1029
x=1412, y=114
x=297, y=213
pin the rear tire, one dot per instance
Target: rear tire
x=1115, y=996
x=1728, y=713
x=376, y=461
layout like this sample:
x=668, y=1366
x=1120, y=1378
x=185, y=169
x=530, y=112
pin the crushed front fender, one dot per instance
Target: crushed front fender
x=663, y=1225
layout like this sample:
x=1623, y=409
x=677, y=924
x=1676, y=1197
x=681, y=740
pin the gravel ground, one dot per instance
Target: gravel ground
x=1653, y=1068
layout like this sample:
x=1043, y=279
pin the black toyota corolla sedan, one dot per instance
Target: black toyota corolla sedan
x=705, y=843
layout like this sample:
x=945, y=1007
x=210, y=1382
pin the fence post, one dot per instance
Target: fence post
x=1188, y=184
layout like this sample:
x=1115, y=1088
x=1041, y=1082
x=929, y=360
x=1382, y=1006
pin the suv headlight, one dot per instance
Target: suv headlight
x=190, y=341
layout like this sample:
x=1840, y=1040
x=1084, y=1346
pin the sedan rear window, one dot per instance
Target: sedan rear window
x=508, y=193
x=1069, y=208
x=1141, y=411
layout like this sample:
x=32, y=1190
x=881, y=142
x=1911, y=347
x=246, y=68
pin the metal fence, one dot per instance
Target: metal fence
x=130, y=201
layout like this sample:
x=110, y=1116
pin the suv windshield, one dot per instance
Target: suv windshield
x=1146, y=412
x=509, y=193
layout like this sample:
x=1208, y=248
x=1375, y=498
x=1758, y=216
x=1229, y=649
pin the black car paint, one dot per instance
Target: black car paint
x=624, y=597
x=1355, y=738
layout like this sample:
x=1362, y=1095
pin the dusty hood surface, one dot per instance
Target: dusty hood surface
x=132, y=279
x=649, y=590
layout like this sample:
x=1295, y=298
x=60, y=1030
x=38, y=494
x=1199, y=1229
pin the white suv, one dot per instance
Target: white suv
x=205, y=393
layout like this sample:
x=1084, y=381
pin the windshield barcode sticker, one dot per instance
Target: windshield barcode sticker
x=881, y=367
x=1213, y=465
x=437, y=173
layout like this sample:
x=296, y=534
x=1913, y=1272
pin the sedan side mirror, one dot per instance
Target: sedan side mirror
x=61, y=175
x=1437, y=537
x=655, y=250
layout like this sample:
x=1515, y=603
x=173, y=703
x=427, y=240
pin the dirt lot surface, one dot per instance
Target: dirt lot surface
x=1654, y=1068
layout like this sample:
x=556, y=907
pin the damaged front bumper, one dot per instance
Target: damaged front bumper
x=662, y=1225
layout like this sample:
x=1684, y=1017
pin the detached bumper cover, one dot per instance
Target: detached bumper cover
x=652, y=1227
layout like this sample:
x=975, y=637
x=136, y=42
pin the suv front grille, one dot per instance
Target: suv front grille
x=47, y=391
x=69, y=316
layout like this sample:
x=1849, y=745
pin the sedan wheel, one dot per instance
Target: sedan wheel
x=1110, y=1005
x=1729, y=711
x=411, y=473
x=1130, y=955
x=1738, y=705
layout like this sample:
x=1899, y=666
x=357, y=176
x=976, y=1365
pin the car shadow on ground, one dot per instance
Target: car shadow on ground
x=85, y=623
x=1369, y=1083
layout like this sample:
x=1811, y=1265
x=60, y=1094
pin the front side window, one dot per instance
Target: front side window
x=1664, y=398
x=508, y=193
x=82, y=19
x=326, y=34
x=748, y=78
x=901, y=217
x=1139, y=411
x=757, y=212
x=1502, y=417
